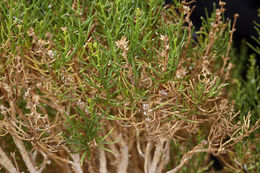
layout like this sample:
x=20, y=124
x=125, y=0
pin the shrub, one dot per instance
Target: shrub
x=114, y=86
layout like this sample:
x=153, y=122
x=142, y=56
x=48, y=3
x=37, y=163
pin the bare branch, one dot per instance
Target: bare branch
x=6, y=162
x=75, y=163
x=147, y=161
x=123, y=164
x=27, y=160
x=157, y=156
x=102, y=161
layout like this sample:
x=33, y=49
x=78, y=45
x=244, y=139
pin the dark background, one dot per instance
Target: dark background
x=247, y=10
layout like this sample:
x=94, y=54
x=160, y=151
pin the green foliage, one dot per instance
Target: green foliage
x=98, y=71
x=257, y=40
x=247, y=91
x=246, y=94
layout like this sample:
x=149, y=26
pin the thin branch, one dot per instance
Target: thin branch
x=186, y=157
x=102, y=161
x=123, y=164
x=76, y=161
x=45, y=162
x=165, y=157
x=147, y=160
x=138, y=143
x=157, y=156
x=6, y=162
x=24, y=154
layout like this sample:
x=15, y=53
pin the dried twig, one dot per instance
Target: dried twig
x=6, y=162
x=123, y=164
x=186, y=157
x=157, y=156
x=27, y=160
x=147, y=160
x=102, y=161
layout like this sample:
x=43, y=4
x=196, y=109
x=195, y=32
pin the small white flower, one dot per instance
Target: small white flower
x=3, y=110
x=28, y=90
x=145, y=106
x=2, y=107
x=50, y=53
x=148, y=119
x=163, y=92
x=164, y=38
x=80, y=103
x=36, y=99
x=27, y=106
